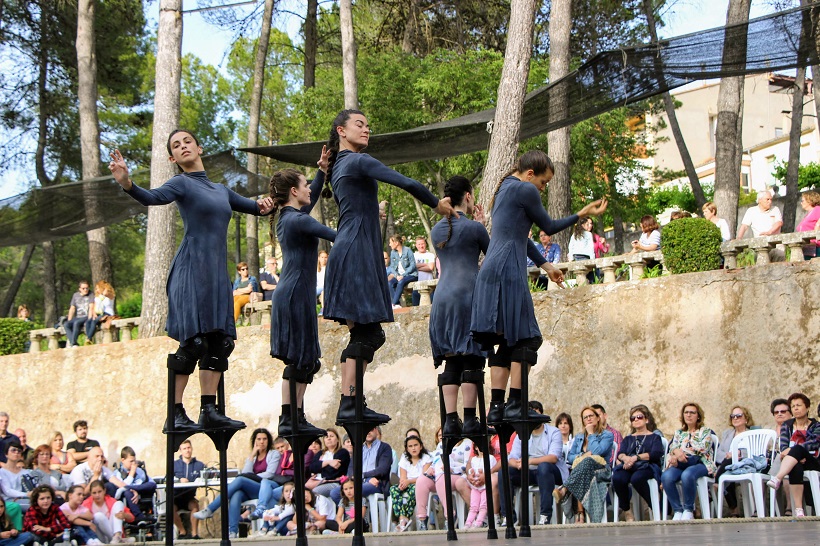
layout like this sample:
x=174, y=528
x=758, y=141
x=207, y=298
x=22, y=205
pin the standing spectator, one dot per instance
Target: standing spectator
x=415, y=462
x=710, y=213
x=600, y=245
x=243, y=286
x=638, y=461
x=404, y=263
x=616, y=435
x=810, y=201
x=23, y=313
x=764, y=219
x=80, y=447
x=79, y=310
x=136, y=480
x=781, y=411
x=581, y=244
x=94, y=469
x=425, y=265
x=650, y=239
x=28, y=451
x=186, y=469
x=476, y=478
x=60, y=459
x=43, y=519
x=80, y=517
x=5, y=436
x=11, y=477
x=10, y=534
x=42, y=474
x=269, y=279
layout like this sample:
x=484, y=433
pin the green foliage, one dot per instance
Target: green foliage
x=691, y=244
x=808, y=175
x=747, y=198
x=130, y=307
x=534, y=287
x=13, y=335
x=661, y=199
x=652, y=272
x=747, y=258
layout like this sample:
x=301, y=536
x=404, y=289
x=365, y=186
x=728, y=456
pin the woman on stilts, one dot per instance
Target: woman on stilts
x=200, y=295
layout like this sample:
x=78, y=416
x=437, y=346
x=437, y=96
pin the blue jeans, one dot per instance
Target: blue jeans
x=546, y=475
x=20, y=540
x=400, y=287
x=83, y=534
x=239, y=491
x=367, y=490
x=687, y=474
x=73, y=328
x=266, y=491
x=281, y=526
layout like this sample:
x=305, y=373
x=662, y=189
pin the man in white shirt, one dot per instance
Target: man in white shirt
x=547, y=466
x=764, y=219
x=425, y=264
x=94, y=469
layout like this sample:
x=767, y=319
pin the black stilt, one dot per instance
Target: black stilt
x=524, y=428
x=505, y=432
x=447, y=445
x=476, y=377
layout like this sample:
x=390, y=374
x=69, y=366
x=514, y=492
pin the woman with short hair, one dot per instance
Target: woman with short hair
x=710, y=213
x=638, y=460
x=740, y=420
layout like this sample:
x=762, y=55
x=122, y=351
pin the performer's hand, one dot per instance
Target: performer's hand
x=478, y=214
x=596, y=208
x=554, y=274
x=119, y=170
x=324, y=159
x=445, y=208
x=265, y=205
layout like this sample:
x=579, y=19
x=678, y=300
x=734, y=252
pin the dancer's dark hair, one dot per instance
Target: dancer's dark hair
x=455, y=188
x=536, y=160
x=280, y=185
x=333, y=146
x=175, y=131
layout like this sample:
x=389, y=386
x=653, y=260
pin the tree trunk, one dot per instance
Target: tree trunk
x=410, y=26
x=251, y=221
x=49, y=285
x=99, y=255
x=159, y=241
x=559, y=200
x=618, y=233
x=425, y=223
x=669, y=107
x=311, y=44
x=506, y=126
x=348, y=54
x=792, y=191
x=7, y=307
x=729, y=149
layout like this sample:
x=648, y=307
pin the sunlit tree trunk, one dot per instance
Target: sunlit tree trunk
x=7, y=307
x=348, y=54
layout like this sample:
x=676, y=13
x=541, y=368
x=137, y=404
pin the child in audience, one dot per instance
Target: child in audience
x=346, y=514
x=9, y=534
x=80, y=517
x=478, y=491
x=415, y=462
x=43, y=519
x=314, y=521
x=278, y=517
x=109, y=514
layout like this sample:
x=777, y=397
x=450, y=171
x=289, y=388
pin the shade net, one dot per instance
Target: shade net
x=780, y=41
x=45, y=214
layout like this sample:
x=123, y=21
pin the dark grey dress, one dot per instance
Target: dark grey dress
x=200, y=294
x=450, y=314
x=503, y=305
x=294, y=333
x=355, y=279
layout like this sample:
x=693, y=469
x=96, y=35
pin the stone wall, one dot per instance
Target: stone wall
x=718, y=338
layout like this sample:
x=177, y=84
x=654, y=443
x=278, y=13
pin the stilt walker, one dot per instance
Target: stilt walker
x=356, y=290
x=503, y=315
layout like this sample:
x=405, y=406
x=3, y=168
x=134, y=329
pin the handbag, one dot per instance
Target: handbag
x=251, y=476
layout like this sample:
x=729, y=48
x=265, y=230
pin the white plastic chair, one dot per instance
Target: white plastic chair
x=535, y=505
x=755, y=442
x=813, y=477
x=703, y=485
x=458, y=503
x=654, y=494
x=378, y=512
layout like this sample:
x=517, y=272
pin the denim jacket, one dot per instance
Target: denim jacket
x=404, y=261
x=599, y=444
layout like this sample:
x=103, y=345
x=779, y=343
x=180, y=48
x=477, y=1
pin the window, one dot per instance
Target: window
x=778, y=132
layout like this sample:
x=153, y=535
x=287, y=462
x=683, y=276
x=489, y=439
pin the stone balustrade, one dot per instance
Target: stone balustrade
x=763, y=246
x=119, y=329
x=258, y=313
x=425, y=290
x=608, y=265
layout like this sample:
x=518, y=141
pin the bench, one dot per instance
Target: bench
x=258, y=312
x=53, y=336
x=762, y=247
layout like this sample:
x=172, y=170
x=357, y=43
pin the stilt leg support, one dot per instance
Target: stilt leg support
x=357, y=431
x=524, y=429
x=477, y=377
x=173, y=440
x=505, y=432
x=447, y=444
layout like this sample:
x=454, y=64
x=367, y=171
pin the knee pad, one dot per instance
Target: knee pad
x=526, y=351
x=502, y=358
x=220, y=347
x=365, y=339
x=452, y=372
x=473, y=370
x=301, y=375
x=181, y=362
x=195, y=347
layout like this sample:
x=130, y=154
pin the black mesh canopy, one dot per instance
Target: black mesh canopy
x=611, y=79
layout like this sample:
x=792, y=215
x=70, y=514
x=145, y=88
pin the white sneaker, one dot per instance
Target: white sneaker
x=203, y=514
x=543, y=520
x=396, y=306
x=687, y=515
x=116, y=539
x=678, y=516
x=329, y=532
x=94, y=542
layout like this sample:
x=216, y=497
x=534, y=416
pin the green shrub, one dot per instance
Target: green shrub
x=131, y=307
x=13, y=335
x=691, y=244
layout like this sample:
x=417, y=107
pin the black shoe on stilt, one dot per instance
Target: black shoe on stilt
x=211, y=419
x=347, y=413
x=304, y=428
x=496, y=414
x=452, y=427
x=307, y=428
x=182, y=423
x=471, y=427
x=513, y=412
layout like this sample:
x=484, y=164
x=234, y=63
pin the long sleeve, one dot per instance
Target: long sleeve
x=626, y=446
x=384, y=460
x=315, y=191
x=482, y=237
x=408, y=261
x=248, y=466
x=376, y=169
x=272, y=458
x=603, y=445
x=167, y=193
x=515, y=452
x=812, y=443
x=786, y=434
x=534, y=255
x=575, y=450
x=531, y=199
x=656, y=449
x=309, y=225
x=242, y=204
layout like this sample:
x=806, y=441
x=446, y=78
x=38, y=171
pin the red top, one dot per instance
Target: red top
x=54, y=518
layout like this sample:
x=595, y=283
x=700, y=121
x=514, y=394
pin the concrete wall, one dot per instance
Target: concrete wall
x=719, y=338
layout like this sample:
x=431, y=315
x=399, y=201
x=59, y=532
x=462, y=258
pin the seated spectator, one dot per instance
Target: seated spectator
x=10, y=533
x=434, y=481
x=550, y=251
x=617, y=437
x=810, y=201
x=678, y=214
x=186, y=470
x=425, y=267
x=799, y=450
x=710, y=213
x=315, y=522
x=404, y=263
x=60, y=460
x=6, y=437
x=564, y=423
x=412, y=431
x=94, y=469
x=589, y=456
x=23, y=313
x=546, y=466
x=12, y=475
x=377, y=459
x=321, y=265
x=740, y=420
x=243, y=287
x=80, y=517
x=781, y=411
x=346, y=513
x=103, y=309
x=347, y=444
x=43, y=474
x=261, y=464
x=80, y=448
x=28, y=451
x=329, y=466
x=268, y=279
x=325, y=507
x=137, y=482
x=391, y=274
x=277, y=518
x=690, y=458
x=414, y=462
x=477, y=480
x=638, y=461
x=43, y=519
x=109, y=514
x=80, y=309
x=650, y=239
x=764, y=219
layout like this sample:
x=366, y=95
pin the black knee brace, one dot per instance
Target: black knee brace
x=181, y=363
x=473, y=369
x=301, y=375
x=220, y=347
x=451, y=375
x=184, y=360
x=365, y=339
x=502, y=358
x=526, y=350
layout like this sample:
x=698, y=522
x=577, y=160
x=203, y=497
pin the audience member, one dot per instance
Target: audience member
x=136, y=480
x=740, y=420
x=23, y=313
x=186, y=469
x=60, y=459
x=43, y=474
x=414, y=462
x=276, y=519
x=710, y=213
x=430, y=482
x=425, y=265
x=404, y=263
x=94, y=469
x=781, y=411
x=43, y=519
x=376, y=461
x=391, y=274
x=581, y=245
x=109, y=514
x=329, y=467
x=268, y=279
x=11, y=477
x=10, y=533
x=600, y=245
x=80, y=309
x=80, y=447
x=314, y=520
x=650, y=238
x=690, y=457
x=346, y=514
x=5, y=436
x=325, y=507
x=678, y=214
x=546, y=465
x=810, y=201
x=564, y=424
x=476, y=479
x=80, y=517
x=243, y=286
x=638, y=460
x=103, y=309
x=616, y=435
x=28, y=451
x=764, y=219
x=799, y=450
x=321, y=266
x=550, y=251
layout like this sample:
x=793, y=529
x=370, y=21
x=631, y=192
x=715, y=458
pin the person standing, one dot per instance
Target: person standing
x=404, y=262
